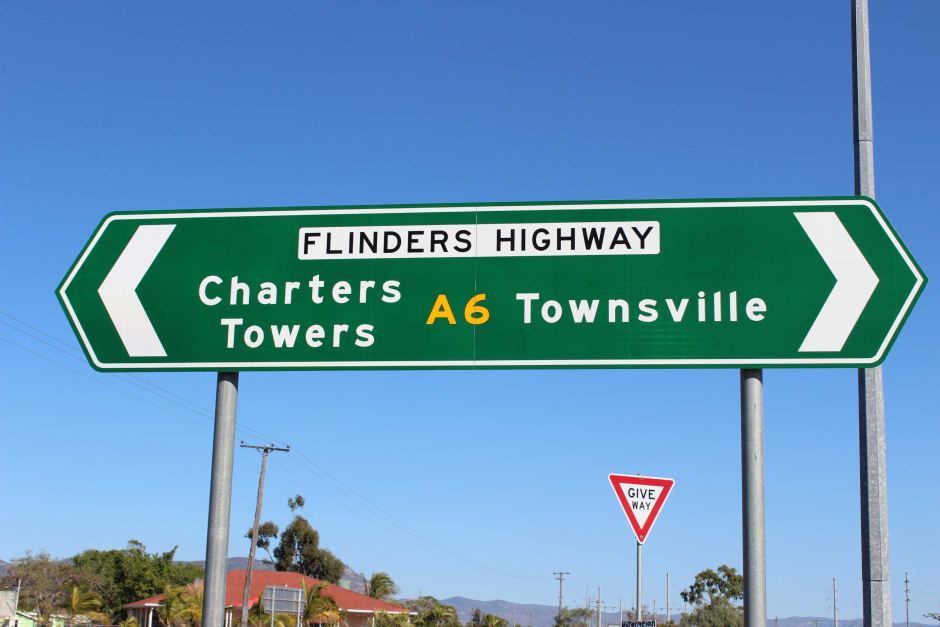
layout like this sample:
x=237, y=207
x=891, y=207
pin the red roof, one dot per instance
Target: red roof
x=347, y=600
x=154, y=600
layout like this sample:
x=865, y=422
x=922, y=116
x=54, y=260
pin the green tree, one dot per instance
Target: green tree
x=479, y=619
x=384, y=619
x=319, y=608
x=726, y=583
x=267, y=531
x=444, y=616
x=174, y=611
x=130, y=574
x=299, y=551
x=476, y=618
x=46, y=583
x=381, y=586
x=285, y=620
x=191, y=597
x=576, y=617
x=712, y=596
x=79, y=603
x=718, y=613
x=257, y=615
x=432, y=613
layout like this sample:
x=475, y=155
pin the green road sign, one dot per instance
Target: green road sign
x=720, y=283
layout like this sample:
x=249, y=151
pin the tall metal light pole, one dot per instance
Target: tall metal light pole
x=667, y=597
x=835, y=605
x=220, y=499
x=752, y=496
x=599, y=613
x=876, y=580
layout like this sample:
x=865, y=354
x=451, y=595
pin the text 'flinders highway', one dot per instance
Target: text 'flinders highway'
x=480, y=240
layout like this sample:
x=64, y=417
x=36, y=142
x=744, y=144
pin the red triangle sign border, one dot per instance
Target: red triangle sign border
x=617, y=481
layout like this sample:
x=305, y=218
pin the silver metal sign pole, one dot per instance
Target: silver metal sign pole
x=639, y=581
x=876, y=579
x=667, y=597
x=220, y=500
x=752, y=496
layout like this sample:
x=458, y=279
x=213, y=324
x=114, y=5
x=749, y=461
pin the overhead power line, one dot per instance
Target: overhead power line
x=376, y=515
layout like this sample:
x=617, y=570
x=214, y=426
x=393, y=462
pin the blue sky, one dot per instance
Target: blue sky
x=460, y=483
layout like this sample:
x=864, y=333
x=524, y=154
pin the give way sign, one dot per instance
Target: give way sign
x=642, y=499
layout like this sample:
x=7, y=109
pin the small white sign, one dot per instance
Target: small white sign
x=421, y=241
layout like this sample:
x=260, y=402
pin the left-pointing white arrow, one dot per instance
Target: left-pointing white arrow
x=855, y=282
x=118, y=291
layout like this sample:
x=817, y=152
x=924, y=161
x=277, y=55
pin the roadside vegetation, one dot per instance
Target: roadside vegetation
x=94, y=586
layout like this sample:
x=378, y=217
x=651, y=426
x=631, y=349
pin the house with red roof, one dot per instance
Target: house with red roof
x=358, y=609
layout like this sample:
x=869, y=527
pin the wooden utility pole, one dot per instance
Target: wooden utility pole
x=560, y=576
x=265, y=450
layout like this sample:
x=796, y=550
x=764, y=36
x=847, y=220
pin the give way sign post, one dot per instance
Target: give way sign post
x=642, y=499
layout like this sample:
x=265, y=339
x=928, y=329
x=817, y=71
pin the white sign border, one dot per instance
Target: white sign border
x=493, y=363
x=672, y=484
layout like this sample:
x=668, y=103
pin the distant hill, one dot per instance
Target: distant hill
x=526, y=613
x=544, y=615
x=4, y=567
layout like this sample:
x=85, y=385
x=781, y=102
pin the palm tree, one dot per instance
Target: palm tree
x=443, y=615
x=319, y=608
x=191, y=597
x=493, y=621
x=98, y=618
x=285, y=620
x=257, y=615
x=129, y=622
x=81, y=603
x=173, y=611
x=381, y=586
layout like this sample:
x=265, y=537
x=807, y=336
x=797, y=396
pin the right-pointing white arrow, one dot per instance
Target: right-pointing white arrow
x=118, y=291
x=855, y=282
